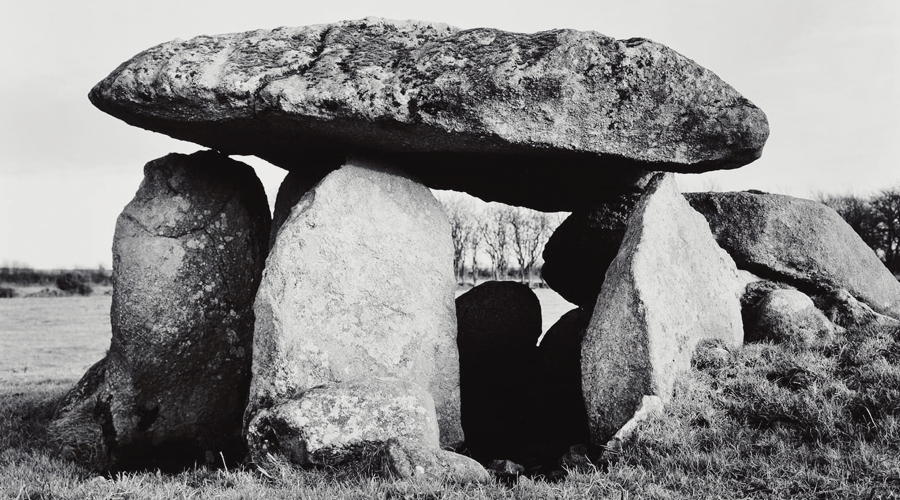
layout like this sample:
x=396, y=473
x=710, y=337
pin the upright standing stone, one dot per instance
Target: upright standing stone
x=188, y=254
x=358, y=285
x=669, y=287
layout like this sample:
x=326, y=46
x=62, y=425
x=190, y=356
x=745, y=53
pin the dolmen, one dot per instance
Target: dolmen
x=328, y=333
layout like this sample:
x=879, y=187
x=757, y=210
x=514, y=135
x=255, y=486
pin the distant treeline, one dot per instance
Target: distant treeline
x=25, y=276
x=876, y=219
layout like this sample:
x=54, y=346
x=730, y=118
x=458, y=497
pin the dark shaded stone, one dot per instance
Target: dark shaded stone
x=552, y=106
x=799, y=242
x=559, y=404
x=498, y=327
x=188, y=254
x=579, y=252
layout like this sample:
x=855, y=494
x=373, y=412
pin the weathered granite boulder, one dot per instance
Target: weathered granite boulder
x=791, y=316
x=359, y=284
x=752, y=298
x=405, y=460
x=187, y=258
x=800, y=242
x=75, y=430
x=340, y=422
x=292, y=188
x=843, y=310
x=578, y=253
x=462, y=109
x=670, y=287
x=499, y=326
x=556, y=387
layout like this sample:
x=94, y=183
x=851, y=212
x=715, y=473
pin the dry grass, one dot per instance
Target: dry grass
x=764, y=421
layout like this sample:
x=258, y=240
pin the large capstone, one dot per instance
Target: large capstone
x=669, y=287
x=469, y=110
x=188, y=254
x=359, y=284
x=800, y=242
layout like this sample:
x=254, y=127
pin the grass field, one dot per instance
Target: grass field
x=764, y=421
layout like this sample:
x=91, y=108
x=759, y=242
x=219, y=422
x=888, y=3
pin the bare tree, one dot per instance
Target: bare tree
x=475, y=240
x=462, y=224
x=886, y=206
x=529, y=232
x=494, y=230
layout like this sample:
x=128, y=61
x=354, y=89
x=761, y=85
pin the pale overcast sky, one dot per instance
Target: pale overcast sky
x=826, y=72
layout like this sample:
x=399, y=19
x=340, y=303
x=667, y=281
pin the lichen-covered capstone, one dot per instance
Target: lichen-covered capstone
x=669, y=287
x=569, y=106
x=359, y=284
x=188, y=254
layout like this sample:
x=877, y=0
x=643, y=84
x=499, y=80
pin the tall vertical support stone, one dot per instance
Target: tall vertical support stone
x=358, y=287
x=669, y=287
x=188, y=255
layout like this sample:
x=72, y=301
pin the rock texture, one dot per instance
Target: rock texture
x=334, y=424
x=578, y=253
x=441, y=99
x=499, y=325
x=358, y=285
x=187, y=257
x=800, y=242
x=292, y=188
x=791, y=316
x=406, y=460
x=843, y=310
x=669, y=287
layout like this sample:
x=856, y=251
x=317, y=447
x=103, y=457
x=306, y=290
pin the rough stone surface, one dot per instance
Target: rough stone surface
x=556, y=387
x=359, y=284
x=441, y=99
x=791, y=316
x=670, y=287
x=845, y=311
x=499, y=325
x=292, y=188
x=187, y=256
x=330, y=425
x=578, y=253
x=406, y=460
x=751, y=298
x=75, y=431
x=800, y=242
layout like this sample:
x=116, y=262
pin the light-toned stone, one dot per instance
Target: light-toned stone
x=334, y=424
x=790, y=315
x=483, y=100
x=358, y=285
x=405, y=460
x=800, y=242
x=669, y=287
